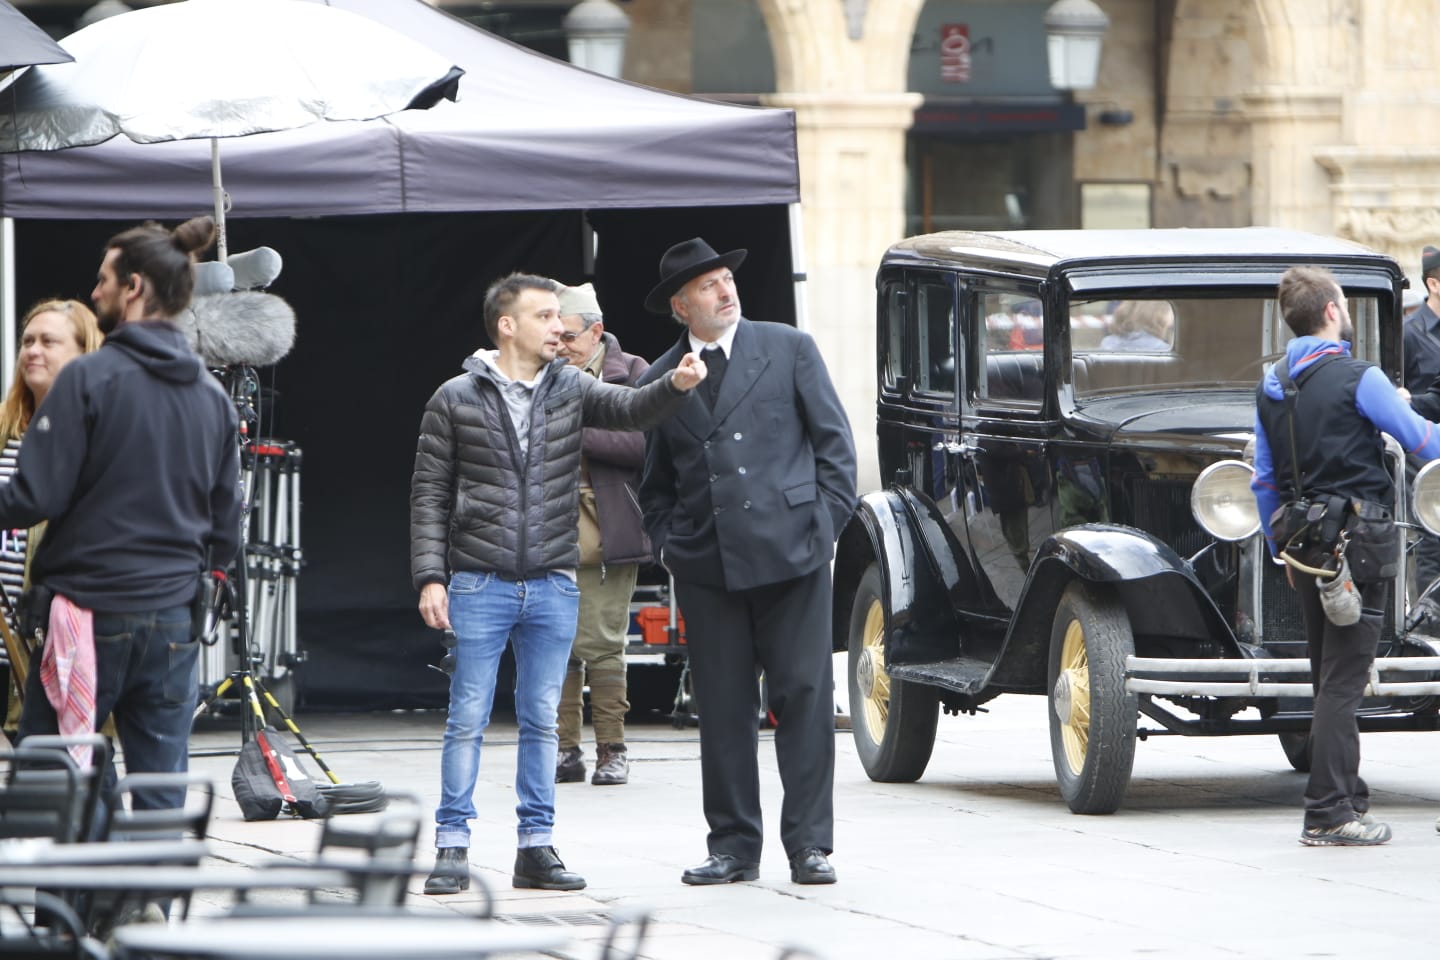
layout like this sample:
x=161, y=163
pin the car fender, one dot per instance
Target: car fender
x=1167, y=604
x=919, y=567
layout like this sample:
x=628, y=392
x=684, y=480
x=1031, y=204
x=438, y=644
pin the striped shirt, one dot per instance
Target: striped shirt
x=12, y=542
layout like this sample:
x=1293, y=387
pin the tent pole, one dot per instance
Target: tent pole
x=7, y=303
x=797, y=267
x=220, y=244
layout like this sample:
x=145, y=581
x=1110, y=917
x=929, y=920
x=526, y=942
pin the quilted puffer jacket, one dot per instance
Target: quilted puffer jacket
x=475, y=506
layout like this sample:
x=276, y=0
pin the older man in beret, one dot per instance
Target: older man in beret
x=612, y=547
x=744, y=495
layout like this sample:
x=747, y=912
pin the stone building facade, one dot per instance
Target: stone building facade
x=1312, y=114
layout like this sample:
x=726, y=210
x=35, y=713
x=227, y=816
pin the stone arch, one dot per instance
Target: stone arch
x=1297, y=43
x=815, y=52
x=1274, y=43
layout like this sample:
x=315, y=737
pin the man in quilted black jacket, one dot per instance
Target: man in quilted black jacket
x=494, y=504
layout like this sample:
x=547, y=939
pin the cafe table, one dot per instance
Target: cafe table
x=34, y=852
x=391, y=936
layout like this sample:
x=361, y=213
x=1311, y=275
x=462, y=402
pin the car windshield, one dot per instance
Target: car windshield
x=1188, y=343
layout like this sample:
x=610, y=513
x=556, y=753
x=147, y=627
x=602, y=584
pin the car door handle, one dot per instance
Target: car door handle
x=956, y=446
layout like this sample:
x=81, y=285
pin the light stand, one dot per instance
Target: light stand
x=263, y=637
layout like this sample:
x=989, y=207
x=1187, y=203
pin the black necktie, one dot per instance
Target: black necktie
x=715, y=362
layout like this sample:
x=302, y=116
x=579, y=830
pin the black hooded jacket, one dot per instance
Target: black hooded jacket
x=133, y=458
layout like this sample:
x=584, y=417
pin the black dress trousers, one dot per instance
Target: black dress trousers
x=784, y=630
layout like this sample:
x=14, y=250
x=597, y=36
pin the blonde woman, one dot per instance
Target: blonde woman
x=53, y=333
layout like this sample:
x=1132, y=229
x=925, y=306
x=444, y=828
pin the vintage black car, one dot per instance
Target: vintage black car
x=1063, y=419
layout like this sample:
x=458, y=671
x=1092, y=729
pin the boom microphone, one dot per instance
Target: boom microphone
x=244, y=328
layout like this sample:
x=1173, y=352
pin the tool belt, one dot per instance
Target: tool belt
x=32, y=613
x=1313, y=533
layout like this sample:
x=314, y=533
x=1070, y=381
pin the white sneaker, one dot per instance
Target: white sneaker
x=1351, y=833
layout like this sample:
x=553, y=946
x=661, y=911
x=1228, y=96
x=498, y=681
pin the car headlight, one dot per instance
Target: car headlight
x=1224, y=505
x=1426, y=496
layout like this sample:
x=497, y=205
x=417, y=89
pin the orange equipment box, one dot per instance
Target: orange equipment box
x=655, y=625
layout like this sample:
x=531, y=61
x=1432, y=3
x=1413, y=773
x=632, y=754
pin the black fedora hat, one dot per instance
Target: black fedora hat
x=683, y=263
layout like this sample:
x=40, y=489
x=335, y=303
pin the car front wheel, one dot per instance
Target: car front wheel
x=1092, y=718
x=893, y=722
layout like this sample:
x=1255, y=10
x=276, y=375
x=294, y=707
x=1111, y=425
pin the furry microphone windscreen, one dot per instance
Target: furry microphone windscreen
x=239, y=329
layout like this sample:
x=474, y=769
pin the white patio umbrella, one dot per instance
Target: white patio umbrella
x=215, y=69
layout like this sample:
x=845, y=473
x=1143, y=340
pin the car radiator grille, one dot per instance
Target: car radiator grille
x=1281, y=622
x=1162, y=507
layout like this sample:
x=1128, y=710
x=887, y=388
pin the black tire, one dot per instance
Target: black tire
x=1092, y=718
x=1297, y=750
x=650, y=688
x=893, y=722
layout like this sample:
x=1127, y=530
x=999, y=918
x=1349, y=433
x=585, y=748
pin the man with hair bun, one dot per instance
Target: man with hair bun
x=133, y=459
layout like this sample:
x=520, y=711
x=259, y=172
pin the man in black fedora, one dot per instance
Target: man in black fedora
x=744, y=495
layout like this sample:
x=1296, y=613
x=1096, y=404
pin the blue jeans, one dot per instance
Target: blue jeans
x=145, y=674
x=537, y=617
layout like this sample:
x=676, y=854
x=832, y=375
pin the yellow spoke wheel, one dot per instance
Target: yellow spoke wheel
x=1072, y=699
x=1092, y=718
x=893, y=722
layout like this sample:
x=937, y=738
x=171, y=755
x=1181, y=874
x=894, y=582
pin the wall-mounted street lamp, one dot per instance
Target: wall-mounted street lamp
x=595, y=31
x=1073, y=31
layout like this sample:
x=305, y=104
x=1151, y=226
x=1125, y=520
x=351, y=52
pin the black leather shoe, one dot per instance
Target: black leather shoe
x=811, y=866
x=539, y=868
x=721, y=868
x=451, y=873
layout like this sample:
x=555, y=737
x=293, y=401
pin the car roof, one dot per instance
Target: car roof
x=1044, y=248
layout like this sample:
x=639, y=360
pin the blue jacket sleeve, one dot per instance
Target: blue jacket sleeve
x=1267, y=495
x=1378, y=402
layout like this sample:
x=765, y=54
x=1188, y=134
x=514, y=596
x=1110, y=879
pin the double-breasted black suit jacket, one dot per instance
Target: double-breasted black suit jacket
x=756, y=490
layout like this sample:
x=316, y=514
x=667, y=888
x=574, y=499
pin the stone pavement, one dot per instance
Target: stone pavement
x=980, y=860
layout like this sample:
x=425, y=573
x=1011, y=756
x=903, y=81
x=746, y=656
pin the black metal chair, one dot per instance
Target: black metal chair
x=387, y=838
x=89, y=818
x=192, y=819
x=626, y=934
x=125, y=824
x=42, y=796
x=41, y=926
x=376, y=853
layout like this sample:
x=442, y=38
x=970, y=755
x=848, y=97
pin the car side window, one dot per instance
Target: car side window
x=935, y=336
x=892, y=310
x=1012, y=366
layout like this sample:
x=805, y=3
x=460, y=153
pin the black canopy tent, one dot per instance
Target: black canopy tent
x=22, y=43
x=390, y=231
